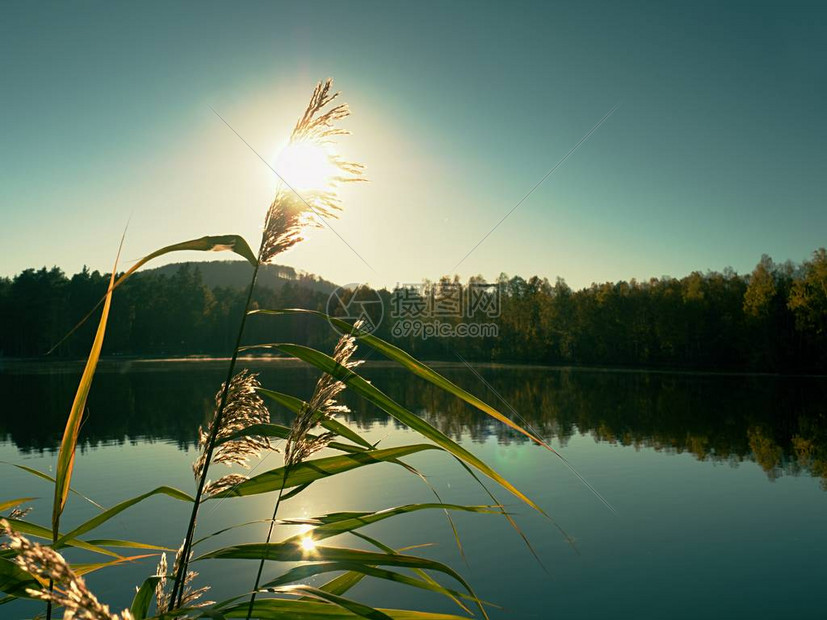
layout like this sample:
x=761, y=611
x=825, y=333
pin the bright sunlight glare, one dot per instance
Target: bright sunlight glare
x=305, y=166
x=308, y=544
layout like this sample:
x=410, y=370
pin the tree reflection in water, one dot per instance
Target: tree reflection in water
x=778, y=422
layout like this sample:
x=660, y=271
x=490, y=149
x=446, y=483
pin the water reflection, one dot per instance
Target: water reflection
x=780, y=423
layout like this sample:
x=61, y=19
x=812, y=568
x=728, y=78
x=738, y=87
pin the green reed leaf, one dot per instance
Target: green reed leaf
x=232, y=243
x=115, y=510
x=44, y=476
x=143, y=597
x=86, y=568
x=337, y=523
x=15, y=502
x=38, y=531
x=316, y=469
x=285, y=609
x=66, y=454
x=311, y=570
x=358, y=609
x=344, y=582
x=15, y=581
x=127, y=544
x=290, y=552
x=423, y=574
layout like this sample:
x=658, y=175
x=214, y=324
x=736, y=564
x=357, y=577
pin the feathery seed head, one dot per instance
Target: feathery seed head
x=69, y=592
x=230, y=481
x=19, y=513
x=244, y=408
x=291, y=211
x=190, y=595
x=161, y=595
x=321, y=406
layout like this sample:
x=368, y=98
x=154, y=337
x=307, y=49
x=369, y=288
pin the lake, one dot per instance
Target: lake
x=716, y=483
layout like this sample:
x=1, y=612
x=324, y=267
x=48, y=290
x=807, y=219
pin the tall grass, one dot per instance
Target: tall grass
x=239, y=432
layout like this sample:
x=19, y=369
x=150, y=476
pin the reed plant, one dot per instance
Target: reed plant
x=239, y=432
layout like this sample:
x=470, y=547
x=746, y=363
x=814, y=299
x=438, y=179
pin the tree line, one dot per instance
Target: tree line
x=772, y=320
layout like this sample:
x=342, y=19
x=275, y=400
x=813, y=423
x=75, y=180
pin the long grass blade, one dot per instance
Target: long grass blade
x=15, y=581
x=424, y=575
x=115, y=510
x=86, y=568
x=143, y=597
x=39, y=531
x=358, y=609
x=229, y=528
x=316, y=469
x=340, y=523
x=15, y=502
x=127, y=544
x=45, y=476
x=289, y=552
x=233, y=243
x=282, y=432
x=66, y=454
x=311, y=570
x=96, y=546
x=285, y=609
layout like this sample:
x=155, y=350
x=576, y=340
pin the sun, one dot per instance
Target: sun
x=306, y=166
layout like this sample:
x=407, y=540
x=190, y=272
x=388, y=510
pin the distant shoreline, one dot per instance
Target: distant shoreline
x=145, y=364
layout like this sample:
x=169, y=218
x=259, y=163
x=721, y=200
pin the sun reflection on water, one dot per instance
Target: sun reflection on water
x=308, y=545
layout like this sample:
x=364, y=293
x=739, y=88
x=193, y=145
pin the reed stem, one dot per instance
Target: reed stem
x=269, y=536
x=178, y=585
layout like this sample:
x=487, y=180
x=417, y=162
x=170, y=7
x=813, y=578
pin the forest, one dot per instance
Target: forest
x=773, y=319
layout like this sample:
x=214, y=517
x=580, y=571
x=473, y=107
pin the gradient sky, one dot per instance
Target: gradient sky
x=715, y=155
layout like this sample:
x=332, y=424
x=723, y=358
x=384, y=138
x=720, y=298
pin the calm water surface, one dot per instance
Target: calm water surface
x=717, y=483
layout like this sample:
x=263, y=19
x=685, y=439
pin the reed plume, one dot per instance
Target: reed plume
x=69, y=590
x=161, y=595
x=290, y=212
x=189, y=596
x=224, y=483
x=322, y=405
x=20, y=513
x=243, y=408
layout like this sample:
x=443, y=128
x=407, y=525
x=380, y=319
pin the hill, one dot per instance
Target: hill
x=236, y=275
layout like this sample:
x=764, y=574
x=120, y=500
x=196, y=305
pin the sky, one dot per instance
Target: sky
x=714, y=153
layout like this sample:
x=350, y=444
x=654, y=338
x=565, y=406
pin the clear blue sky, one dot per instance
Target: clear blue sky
x=715, y=155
